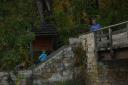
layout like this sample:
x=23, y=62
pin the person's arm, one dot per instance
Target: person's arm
x=46, y=57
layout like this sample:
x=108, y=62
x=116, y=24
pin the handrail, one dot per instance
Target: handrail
x=110, y=34
x=108, y=27
x=113, y=25
x=50, y=57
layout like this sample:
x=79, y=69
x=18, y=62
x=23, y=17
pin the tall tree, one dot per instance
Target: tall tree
x=16, y=17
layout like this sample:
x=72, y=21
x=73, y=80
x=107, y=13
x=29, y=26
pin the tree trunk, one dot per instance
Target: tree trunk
x=40, y=10
x=48, y=5
x=97, y=4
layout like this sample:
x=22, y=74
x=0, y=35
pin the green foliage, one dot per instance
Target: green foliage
x=71, y=82
x=16, y=17
x=80, y=56
x=64, y=83
x=80, y=62
x=67, y=15
x=113, y=11
x=79, y=77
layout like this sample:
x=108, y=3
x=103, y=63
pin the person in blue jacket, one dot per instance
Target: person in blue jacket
x=94, y=25
x=95, y=28
x=42, y=58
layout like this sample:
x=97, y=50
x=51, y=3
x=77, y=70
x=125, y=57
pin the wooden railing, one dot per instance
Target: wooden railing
x=126, y=22
x=50, y=57
x=111, y=37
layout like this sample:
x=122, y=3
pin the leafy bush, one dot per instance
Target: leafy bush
x=16, y=17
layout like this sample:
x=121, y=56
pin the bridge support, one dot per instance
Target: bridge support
x=88, y=43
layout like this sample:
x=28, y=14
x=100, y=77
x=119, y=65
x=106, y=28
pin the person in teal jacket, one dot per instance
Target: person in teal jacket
x=42, y=58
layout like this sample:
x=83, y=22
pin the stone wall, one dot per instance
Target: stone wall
x=57, y=68
x=3, y=78
x=89, y=45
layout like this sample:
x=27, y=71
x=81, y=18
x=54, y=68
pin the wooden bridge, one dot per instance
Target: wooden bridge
x=112, y=42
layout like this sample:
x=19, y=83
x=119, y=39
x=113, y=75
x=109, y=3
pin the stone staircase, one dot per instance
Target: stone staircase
x=57, y=68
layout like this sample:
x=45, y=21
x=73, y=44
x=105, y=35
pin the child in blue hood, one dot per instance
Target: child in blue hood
x=43, y=57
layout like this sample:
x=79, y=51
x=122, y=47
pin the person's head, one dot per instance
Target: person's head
x=93, y=21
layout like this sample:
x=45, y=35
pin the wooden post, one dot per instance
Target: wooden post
x=127, y=29
x=127, y=25
x=110, y=42
x=95, y=41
